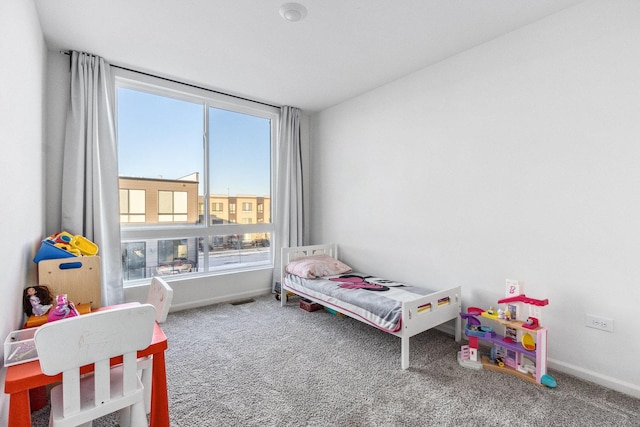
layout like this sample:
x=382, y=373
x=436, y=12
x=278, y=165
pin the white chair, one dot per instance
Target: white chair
x=160, y=296
x=66, y=345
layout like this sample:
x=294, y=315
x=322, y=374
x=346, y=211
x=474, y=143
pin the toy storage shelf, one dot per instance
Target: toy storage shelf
x=515, y=346
x=538, y=355
x=521, y=347
x=489, y=365
x=516, y=324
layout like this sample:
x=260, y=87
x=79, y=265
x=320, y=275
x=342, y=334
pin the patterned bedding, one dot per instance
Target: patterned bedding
x=379, y=304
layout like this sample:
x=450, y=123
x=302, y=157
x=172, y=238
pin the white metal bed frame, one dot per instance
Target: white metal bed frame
x=414, y=321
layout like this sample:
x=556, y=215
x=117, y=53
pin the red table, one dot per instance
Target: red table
x=21, y=378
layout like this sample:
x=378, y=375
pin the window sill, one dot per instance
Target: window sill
x=199, y=275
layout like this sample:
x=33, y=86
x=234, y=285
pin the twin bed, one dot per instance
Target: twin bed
x=315, y=273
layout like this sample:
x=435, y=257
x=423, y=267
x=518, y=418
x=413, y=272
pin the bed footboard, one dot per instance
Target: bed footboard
x=428, y=312
x=432, y=310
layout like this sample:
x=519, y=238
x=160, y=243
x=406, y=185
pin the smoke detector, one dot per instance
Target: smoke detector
x=293, y=12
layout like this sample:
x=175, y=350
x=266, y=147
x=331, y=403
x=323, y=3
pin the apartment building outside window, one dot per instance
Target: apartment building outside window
x=179, y=151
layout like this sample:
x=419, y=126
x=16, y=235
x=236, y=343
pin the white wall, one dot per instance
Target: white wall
x=517, y=159
x=21, y=163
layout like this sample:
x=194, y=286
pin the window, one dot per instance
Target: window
x=133, y=260
x=132, y=204
x=172, y=206
x=178, y=195
x=173, y=257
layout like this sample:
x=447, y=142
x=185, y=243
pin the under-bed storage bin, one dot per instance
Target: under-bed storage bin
x=307, y=305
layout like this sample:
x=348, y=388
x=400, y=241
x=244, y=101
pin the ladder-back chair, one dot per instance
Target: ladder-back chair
x=66, y=345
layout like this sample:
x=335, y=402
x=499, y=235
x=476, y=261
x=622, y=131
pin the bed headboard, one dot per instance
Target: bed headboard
x=289, y=254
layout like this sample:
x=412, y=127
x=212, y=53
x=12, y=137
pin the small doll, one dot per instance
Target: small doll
x=63, y=309
x=36, y=300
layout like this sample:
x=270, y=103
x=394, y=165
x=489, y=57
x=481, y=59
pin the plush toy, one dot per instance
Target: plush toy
x=36, y=300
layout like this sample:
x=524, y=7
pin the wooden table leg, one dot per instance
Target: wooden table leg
x=20, y=409
x=159, y=415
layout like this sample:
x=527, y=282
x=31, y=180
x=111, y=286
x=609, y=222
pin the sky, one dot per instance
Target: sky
x=161, y=137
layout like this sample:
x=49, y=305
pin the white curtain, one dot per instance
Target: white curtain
x=90, y=168
x=289, y=204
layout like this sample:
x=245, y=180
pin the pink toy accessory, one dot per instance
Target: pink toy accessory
x=358, y=283
x=531, y=323
x=63, y=309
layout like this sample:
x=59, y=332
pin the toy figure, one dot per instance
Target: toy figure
x=36, y=300
x=63, y=309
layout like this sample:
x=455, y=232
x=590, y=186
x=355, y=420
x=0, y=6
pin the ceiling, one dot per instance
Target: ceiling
x=244, y=47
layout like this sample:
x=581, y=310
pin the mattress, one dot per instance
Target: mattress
x=379, y=305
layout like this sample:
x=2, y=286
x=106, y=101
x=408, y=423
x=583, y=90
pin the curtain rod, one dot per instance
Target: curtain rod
x=68, y=53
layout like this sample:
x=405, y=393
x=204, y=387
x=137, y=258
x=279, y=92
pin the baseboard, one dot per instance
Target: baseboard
x=219, y=300
x=596, y=378
x=448, y=328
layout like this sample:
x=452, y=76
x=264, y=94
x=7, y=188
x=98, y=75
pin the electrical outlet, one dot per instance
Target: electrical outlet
x=598, y=322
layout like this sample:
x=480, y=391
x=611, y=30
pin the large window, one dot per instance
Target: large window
x=187, y=157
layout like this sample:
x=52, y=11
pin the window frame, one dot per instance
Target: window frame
x=131, y=232
x=129, y=213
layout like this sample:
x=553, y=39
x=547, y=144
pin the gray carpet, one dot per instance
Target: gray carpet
x=257, y=364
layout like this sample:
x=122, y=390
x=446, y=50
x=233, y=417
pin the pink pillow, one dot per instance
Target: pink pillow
x=314, y=266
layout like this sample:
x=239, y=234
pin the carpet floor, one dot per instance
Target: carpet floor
x=258, y=364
